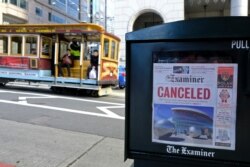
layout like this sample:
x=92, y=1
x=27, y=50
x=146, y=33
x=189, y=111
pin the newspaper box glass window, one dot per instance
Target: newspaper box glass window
x=194, y=100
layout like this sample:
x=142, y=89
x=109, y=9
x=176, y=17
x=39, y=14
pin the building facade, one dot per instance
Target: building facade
x=131, y=15
x=117, y=16
x=13, y=11
x=52, y=11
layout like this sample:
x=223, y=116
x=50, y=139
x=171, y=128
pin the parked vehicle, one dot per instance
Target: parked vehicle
x=122, y=77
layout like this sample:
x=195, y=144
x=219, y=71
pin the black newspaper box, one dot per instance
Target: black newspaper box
x=187, y=95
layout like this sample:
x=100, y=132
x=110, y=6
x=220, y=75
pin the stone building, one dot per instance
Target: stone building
x=131, y=15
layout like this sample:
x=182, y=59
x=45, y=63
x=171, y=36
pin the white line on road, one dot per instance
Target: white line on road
x=107, y=113
x=63, y=97
x=63, y=109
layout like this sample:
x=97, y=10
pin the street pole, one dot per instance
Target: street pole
x=105, y=18
x=91, y=11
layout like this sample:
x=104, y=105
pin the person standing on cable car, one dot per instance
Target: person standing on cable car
x=93, y=68
x=75, y=49
x=66, y=62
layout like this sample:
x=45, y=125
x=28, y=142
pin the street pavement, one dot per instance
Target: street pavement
x=27, y=145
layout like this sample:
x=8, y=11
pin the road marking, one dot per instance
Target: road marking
x=108, y=112
x=63, y=109
x=22, y=100
x=69, y=98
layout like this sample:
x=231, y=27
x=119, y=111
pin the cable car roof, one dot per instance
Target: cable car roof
x=55, y=28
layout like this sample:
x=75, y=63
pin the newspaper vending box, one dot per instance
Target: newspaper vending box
x=188, y=101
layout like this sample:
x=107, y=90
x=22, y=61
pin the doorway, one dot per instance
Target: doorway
x=147, y=20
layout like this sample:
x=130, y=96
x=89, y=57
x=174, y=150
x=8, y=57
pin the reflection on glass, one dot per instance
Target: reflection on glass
x=113, y=50
x=16, y=45
x=31, y=45
x=193, y=57
x=106, y=47
x=19, y=3
x=46, y=46
x=3, y=45
x=63, y=48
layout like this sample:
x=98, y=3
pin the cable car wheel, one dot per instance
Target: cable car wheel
x=2, y=83
x=95, y=93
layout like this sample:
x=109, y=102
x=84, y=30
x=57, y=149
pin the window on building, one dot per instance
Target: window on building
x=62, y=1
x=31, y=45
x=39, y=12
x=74, y=8
x=23, y=4
x=60, y=4
x=49, y=16
x=19, y=3
x=14, y=2
x=16, y=45
x=3, y=44
x=56, y=19
x=73, y=11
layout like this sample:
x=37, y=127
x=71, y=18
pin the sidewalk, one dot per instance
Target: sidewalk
x=26, y=145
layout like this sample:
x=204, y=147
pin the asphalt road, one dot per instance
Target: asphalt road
x=40, y=128
x=103, y=116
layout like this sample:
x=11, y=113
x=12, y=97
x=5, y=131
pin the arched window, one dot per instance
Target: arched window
x=147, y=20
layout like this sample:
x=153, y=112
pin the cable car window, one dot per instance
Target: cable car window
x=3, y=45
x=16, y=45
x=113, y=47
x=31, y=45
x=63, y=48
x=46, y=47
x=106, y=48
x=117, y=51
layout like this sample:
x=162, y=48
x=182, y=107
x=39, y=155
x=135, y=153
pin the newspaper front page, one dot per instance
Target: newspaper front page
x=194, y=104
